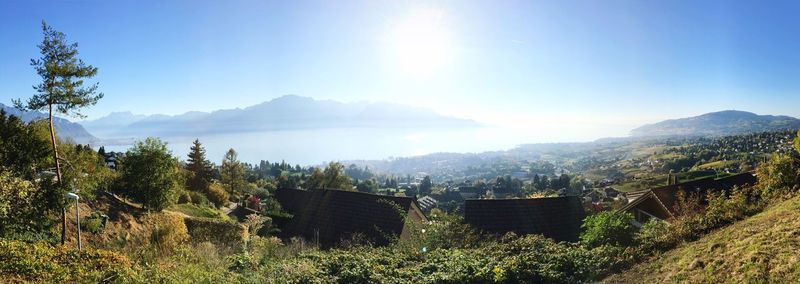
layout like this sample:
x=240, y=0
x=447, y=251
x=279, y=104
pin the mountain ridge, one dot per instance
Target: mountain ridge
x=282, y=113
x=724, y=122
x=64, y=128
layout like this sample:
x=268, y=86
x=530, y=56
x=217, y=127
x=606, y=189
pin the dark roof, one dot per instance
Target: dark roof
x=559, y=218
x=329, y=216
x=668, y=195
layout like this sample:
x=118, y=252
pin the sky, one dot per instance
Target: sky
x=595, y=66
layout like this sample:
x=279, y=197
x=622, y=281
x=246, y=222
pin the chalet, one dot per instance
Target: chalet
x=330, y=216
x=659, y=202
x=559, y=218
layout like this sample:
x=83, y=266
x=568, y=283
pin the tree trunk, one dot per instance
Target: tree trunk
x=58, y=175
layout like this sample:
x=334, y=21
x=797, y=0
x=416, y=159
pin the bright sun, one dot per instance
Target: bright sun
x=420, y=44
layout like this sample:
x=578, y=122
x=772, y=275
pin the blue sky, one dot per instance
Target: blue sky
x=584, y=64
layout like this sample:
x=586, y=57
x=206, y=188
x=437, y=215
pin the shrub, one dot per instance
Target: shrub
x=93, y=223
x=41, y=262
x=168, y=231
x=655, y=235
x=22, y=210
x=184, y=197
x=215, y=231
x=217, y=195
x=778, y=176
x=608, y=228
x=198, y=198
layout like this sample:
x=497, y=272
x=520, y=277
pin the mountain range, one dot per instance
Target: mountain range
x=65, y=129
x=726, y=122
x=288, y=112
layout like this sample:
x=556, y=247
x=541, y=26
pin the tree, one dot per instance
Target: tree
x=232, y=173
x=425, y=186
x=336, y=178
x=61, y=90
x=316, y=180
x=22, y=151
x=199, y=168
x=217, y=195
x=150, y=174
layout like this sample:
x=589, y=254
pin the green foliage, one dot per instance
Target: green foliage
x=199, y=168
x=425, y=186
x=93, y=223
x=217, y=195
x=62, y=76
x=199, y=211
x=232, y=174
x=40, y=262
x=797, y=142
x=84, y=171
x=608, y=228
x=778, y=176
x=150, y=174
x=22, y=151
x=198, y=198
x=22, y=211
x=168, y=232
x=220, y=232
x=655, y=235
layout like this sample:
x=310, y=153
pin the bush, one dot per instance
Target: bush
x=41, y=262
x=184, y=197
x=93, y=223
x=656, y=235
x=198, y=198
x=217, y=195
x=215, y=231
x=168, y=232
x=608, y=228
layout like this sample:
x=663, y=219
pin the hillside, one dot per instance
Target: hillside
x=760, y=249
x=718, y=123
x=284, y=113
x=64, y=128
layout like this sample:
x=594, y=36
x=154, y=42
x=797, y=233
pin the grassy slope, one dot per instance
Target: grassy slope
x=764, y=248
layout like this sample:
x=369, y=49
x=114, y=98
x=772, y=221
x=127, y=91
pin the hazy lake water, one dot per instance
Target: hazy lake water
x=314, y=146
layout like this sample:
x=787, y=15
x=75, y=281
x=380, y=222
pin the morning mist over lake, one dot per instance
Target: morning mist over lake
x=384, y=141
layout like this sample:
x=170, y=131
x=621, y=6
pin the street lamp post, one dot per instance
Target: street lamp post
x=71, y=195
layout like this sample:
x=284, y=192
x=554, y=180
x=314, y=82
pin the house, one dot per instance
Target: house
x=559, y=218
x=659, y=202
x=329, y=216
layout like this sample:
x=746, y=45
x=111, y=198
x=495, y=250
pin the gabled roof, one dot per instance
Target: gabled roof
x=559, y=218
x=329, y=216
x=668, y=195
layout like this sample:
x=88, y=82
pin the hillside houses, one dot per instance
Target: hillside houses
x=659, y=203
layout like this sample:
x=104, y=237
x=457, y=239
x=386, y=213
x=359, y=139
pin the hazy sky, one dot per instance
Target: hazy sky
x=596, y=64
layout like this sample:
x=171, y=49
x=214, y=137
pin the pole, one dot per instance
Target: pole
x=78, y=218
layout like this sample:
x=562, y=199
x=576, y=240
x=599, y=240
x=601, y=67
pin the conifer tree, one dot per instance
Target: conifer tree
x=61, y=90
x=199, y=167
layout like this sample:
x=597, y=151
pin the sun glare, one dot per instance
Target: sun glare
x=420, y=44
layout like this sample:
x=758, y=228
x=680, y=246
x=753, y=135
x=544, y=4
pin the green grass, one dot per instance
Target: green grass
x=199, y=211
x=760, y=249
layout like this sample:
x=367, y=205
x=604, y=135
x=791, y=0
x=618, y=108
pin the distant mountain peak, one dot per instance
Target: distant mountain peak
x=726, y=122
x=64, y=127
x=286, y=112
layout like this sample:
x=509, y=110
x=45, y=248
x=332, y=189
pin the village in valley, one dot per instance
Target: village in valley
x=213, y=178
